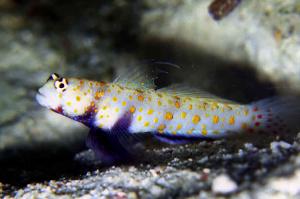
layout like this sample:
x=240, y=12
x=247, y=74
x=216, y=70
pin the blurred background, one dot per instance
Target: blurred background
x=252, y=51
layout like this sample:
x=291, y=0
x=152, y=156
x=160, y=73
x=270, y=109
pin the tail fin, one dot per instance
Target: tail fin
x=278, y=115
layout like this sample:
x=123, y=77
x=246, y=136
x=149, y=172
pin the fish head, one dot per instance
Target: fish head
x=71, y=97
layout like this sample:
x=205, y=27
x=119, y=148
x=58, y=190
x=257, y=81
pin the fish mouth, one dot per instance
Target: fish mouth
x=40, y=98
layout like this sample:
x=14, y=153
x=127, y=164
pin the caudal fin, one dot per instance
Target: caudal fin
x=278, y=115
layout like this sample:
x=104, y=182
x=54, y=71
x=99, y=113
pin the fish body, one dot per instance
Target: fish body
x=160, y=112
x=131, y=107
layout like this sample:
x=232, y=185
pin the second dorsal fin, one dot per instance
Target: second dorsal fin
x=183, y=90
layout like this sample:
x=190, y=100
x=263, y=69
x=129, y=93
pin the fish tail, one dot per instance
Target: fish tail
x=278, y=115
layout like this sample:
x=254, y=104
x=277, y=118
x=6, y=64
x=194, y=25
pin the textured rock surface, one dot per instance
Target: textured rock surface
x=186, y=171
x=263, y=33
x=40, y=152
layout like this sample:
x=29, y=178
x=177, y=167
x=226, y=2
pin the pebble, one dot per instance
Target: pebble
x=223, y=184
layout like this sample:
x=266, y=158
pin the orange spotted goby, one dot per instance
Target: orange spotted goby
x=131, y=106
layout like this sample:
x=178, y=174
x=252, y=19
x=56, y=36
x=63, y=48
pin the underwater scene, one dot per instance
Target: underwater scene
x=150, y=99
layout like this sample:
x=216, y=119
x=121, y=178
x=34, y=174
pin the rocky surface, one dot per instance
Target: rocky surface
x=250, y=54
x=264, y=34
x=190, y=171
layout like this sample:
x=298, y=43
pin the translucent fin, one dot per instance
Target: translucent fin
x=169, y=139
x=187, y=91
x=116, y=145
x=135, y=77
x=107, y=148
x=280, y=114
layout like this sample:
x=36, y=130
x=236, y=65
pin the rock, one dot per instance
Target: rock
x=223, y=184
x=276, y=146
x=261, y=33
x=290, y=185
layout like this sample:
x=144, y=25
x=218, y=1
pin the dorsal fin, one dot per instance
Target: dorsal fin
x=183, y=90
x=135, y=77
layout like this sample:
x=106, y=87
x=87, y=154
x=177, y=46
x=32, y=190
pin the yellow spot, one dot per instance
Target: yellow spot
x=168, y=116
x=155, y=120
x=59, y=95
x=170, y=102
x=140, y=109
x=159, y=95
x=132, y=109
x=179, y=126
x=100, y=125
x=204, y=105
x=69, y=103
x=115, y=99
x=190, y=107
x=207, y=115
x=196, y=119
x=183, y=115
x=215, y=119
x=203, y=126
x=75, y=111
x=140, y=98
x=146, y=124
x=149, y=99
x=159, y=103
x=99, y=94
x=176, y=97
x=228, y=107
x=102, y=83
x=130, y=97
x=89, y=90
x=246, y=112
x=150, y=111
x=204, y=132
x=101, y=116
x=161, y=128
x=91, y=84
x=124, y=103
x=214, y=106
x=244, y=125
x=119, y=91
x=139, y=118
x=177, y=104
x=190, y=131
x=92, y=103
x=117, y=110
x=77, y=98
x=104, y=107
x=231, y=120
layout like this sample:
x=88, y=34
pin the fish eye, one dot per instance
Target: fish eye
x=53, y=76
x=61, y=84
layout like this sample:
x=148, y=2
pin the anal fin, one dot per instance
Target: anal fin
x=169, y=139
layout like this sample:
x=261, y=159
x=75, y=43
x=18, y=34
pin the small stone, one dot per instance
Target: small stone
x=223, y=184
x=275, y=146
x=288, y=185
x=206, y=170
